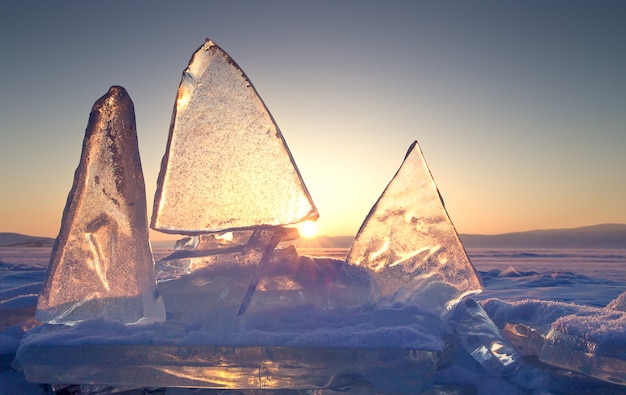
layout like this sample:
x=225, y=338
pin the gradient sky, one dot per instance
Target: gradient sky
x=519, y=107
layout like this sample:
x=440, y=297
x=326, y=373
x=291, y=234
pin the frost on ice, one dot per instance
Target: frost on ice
x=227, y=165
x=101, y=264
x=410, y=247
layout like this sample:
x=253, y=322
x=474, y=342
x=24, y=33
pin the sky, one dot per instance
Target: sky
x=519, y=107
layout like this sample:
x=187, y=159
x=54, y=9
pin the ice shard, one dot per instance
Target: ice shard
x=409, y=245
x=227, y=165
x=101, y=263
x=484, y=341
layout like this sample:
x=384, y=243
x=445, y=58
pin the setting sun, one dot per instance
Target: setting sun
x=307, y=229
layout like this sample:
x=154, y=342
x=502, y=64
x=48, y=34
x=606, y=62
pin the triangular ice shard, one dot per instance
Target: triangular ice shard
x=410, y=247
x=101, y=264
x=227, y=165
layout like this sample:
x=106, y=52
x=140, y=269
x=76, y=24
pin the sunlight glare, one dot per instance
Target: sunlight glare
x=307, y=229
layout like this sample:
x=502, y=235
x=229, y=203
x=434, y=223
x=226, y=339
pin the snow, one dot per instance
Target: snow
x=554, y=292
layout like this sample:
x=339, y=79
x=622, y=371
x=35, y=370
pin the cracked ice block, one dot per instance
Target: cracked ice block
x=410, y=247
x=101, y=263
x=227, y=165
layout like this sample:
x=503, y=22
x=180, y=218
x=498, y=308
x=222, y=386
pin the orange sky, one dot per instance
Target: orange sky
x=522, y=128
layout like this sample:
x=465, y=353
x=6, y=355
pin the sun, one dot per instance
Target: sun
x=307, y=229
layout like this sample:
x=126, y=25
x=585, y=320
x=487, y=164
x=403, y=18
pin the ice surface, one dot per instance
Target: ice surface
x=261, y=368
x=101, y=263
x=227, y=165
x=410, y=247
x=456, y=374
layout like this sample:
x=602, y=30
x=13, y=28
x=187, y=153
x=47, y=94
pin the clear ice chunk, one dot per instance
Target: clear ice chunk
x=214, y=291
x=259, y=251
x=101, y=263
x=227, y=165
x=249, y=249
x=409, y=246
x=200, y=251
x=590, y=341
x=482, y=339
x=527, y=339
x=581, y=339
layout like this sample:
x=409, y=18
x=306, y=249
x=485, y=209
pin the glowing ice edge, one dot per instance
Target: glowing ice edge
x=452, y=304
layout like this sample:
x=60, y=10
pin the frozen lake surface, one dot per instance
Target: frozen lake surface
x=591, y=277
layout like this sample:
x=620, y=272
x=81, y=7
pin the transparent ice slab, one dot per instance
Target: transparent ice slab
x=101, y=263
x=227, y=165
x=221, y=367
x=409, y=246
x=601, y=360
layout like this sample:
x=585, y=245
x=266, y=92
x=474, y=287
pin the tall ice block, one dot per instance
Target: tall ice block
x=409, y=246
x=227, y=165
x=101, y=264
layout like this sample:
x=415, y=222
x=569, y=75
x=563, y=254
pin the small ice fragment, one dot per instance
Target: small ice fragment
x=410, y=246
x=258, y=251
x=101, y=263
x=227, y=165
x=525, y=338
x=618, y=303
x=482, y=339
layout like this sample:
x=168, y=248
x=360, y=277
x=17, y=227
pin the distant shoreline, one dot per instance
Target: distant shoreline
x=603, y=236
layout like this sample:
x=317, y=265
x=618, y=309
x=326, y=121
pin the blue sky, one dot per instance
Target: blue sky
x=519, y=107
